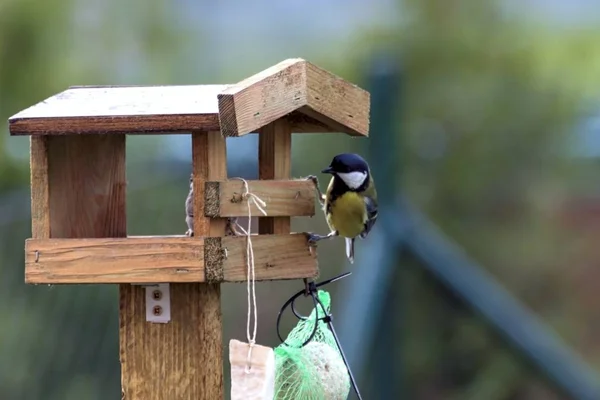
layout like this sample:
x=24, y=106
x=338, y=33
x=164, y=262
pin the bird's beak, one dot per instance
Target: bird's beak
x=327, y=170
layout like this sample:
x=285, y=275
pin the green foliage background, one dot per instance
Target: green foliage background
x=492, y=103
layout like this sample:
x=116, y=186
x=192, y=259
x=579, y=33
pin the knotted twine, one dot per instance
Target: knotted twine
x=251, y=289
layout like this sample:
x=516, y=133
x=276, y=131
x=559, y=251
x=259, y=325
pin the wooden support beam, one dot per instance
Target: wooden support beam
x=151, y=259
x=275, y=162
x=284, y=198
x=181, y=359
x=209, y=154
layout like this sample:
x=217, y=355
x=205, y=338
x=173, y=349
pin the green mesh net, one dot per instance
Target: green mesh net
x=315, y=371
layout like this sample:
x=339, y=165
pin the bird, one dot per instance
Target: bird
x=350, y=202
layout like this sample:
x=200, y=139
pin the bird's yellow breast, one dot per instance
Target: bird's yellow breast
x=347, y=214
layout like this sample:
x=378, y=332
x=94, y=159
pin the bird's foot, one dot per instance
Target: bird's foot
x=313, y=238
x=315, y=181
x=189, y=233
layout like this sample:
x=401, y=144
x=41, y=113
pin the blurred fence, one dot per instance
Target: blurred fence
x=376, y=295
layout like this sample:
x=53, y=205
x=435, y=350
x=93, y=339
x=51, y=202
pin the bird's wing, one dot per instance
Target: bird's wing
x=371, y=206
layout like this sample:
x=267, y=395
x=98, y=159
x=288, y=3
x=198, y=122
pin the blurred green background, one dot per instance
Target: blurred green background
x=500, y=141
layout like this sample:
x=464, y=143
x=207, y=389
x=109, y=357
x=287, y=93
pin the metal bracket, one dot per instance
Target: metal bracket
x=158, y=303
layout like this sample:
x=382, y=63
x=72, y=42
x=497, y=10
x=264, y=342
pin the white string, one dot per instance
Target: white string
x=260, y=204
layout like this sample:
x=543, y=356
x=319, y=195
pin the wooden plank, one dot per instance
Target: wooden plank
x=302, y=123
x=275, y=162
x=87, y=186
x=336, y=103
x=276, y=257
x=292, y=198
x=299, y=87
x=152, y=259
x=127, y=109
x=262, y=98
x=114, y=260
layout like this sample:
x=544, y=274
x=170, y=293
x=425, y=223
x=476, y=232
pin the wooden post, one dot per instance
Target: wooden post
x=181, y=359
x=275, y=162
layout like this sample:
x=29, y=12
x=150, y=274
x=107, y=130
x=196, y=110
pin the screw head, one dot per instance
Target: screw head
x=157, y=310
x=157, y=295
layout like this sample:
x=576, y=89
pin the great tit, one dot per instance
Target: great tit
x=350, y=203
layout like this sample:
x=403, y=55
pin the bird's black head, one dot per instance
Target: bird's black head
x=346, y=163
x=350, y=167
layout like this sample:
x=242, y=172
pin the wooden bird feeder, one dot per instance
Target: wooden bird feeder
x=78, y=191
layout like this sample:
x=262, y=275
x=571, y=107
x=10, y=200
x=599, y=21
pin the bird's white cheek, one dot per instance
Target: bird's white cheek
x=353, y=179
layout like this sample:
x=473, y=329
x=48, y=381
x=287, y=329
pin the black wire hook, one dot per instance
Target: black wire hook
x=312, y=289
x=327, y=318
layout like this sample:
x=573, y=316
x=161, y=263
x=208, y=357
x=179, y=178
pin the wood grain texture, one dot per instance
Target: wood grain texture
x=40, y=193
x=275, y=162
x=209, y=152
x=174, y=259
x=78, y=187
x=127, y=109
x=314, y=100
x=161, y=361
x=87, y=186
x=114, y=260
x=276, y=257
x=299, y=87
x=262, y=98
x=339, y=104
x=291, y=198
x=209, y=156
x=181, y=359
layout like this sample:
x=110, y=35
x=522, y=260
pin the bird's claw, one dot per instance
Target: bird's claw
x=312, y=178
x=315, y=181
x=189, y=233
x=313, y=238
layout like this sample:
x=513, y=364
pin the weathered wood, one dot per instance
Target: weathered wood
x=276, y=257
x=87, y=177
x=275, y=162
x=262, y=98
x=128, y=109
x=294, y=85
x=209, y=156
x=336, y=103
x=151, y=259
x=40, y=195
x=181, y=109
x=302, y=123
x=78, y=187
x=292, y=198
x=87, y=186
x=192, y=339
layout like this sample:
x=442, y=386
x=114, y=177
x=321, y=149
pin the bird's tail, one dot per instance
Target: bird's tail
x=350, y=249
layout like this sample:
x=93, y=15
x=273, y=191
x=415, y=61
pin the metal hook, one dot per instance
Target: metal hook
x=311, y=287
